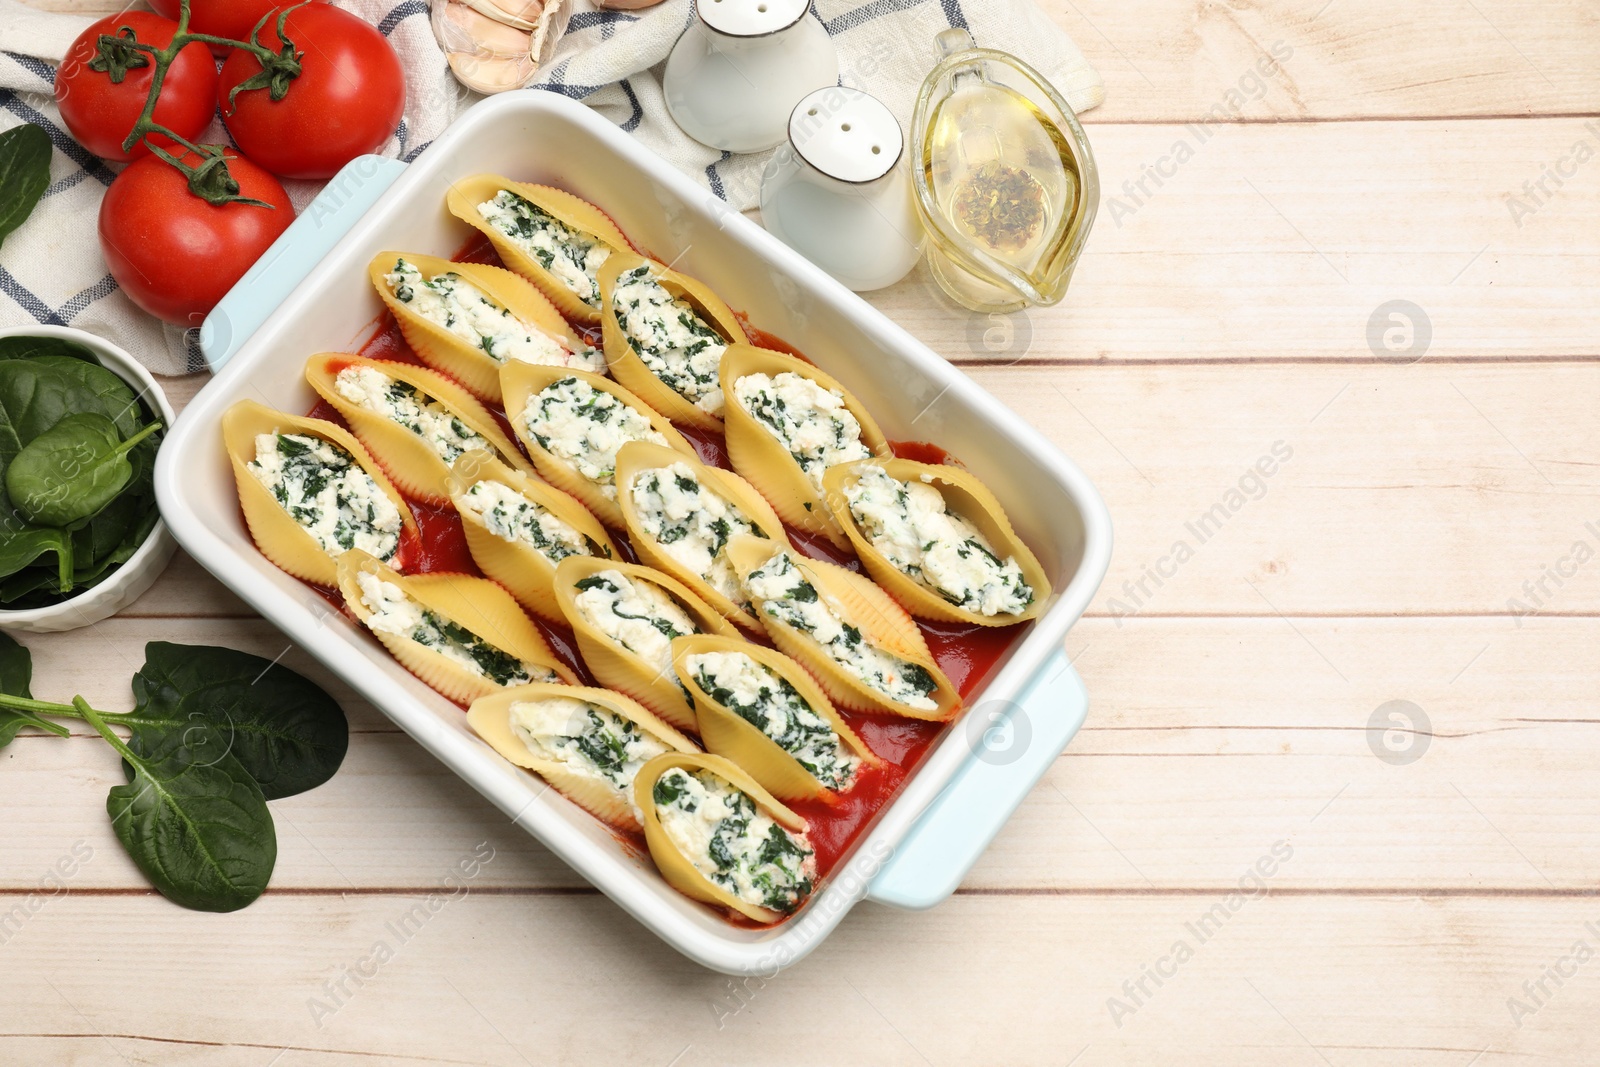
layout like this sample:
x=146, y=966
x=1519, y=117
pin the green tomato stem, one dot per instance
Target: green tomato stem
x=209, y=179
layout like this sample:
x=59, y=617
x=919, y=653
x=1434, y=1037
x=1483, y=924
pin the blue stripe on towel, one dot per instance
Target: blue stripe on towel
x=64, y=144
x=866, y=13
x=716, y=179
x=638, y=109
x=400, y=13
x=952, y=11
x=33, y=65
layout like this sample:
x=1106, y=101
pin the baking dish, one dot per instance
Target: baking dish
x=310, y=293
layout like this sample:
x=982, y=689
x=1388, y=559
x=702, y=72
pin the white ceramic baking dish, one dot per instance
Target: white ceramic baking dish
x=310, y=293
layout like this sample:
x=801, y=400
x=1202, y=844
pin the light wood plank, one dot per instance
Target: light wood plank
x=1280, y=242
x=1207, y=741
x=492, y=980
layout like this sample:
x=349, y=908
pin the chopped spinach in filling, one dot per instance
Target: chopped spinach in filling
x=718, y=828
x=439, y=428
x=789, y=598
x=570, y=255
x=589, y=740
x=393, y=611
x=666, y=332
x=767, y=701
x=636, y=615
x=908, y=523
x=584, y=427
x=327, y=492
x=809, y=421
x=691, y=523
x=452, y=302
x=511, y=516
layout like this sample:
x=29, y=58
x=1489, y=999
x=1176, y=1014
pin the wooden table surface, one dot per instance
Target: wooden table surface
x=1428, y=540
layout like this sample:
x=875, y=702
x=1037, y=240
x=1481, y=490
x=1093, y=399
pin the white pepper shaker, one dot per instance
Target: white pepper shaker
x=740, y=66
x=839, y=192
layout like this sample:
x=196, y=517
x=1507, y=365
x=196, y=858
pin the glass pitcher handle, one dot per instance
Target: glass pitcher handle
x=952, y=41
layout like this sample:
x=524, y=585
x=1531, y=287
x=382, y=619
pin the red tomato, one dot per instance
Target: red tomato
x=174, y=254
x=347, y=100
x=99, y=113
x=233, y=19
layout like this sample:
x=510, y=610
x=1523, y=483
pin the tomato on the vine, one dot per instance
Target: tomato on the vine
x=176, y=255
x=346, y=101
x=233, y=19
x=99, y=112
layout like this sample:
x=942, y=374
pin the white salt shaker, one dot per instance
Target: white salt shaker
x=735, y=74
x=839, y=192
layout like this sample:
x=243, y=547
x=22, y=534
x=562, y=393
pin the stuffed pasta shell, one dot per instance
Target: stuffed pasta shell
x=557, y=241
x=588, y=743
x=310, y=492
x=466, y=319
x=464, y=636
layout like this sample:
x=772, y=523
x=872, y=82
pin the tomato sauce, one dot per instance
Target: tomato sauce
x=966, y=654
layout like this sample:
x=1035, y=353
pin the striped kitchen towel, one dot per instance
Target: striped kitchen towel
x=51, y=270
x=612, y=61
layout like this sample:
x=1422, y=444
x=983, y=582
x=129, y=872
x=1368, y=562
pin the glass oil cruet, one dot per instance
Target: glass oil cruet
x=1005, y=181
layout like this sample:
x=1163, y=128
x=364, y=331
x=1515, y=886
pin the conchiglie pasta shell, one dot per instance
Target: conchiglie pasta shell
x=729, y=734
x=490, y=717
x=883, y=623
x=282, y=540
x=527, y=573
x=625, y=364
x=964, y=495
x=639, y=456
x=681, y=874
x=413, y=464
x=451, y=355
x=766, y=464
x=465, y=196
x=620, y=668
x=520, y=381
x=476, y=604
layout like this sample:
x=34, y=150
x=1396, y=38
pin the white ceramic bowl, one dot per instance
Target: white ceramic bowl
x=129, y=581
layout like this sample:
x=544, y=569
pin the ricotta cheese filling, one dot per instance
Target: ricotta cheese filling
x=908, y=523
x=450, y=301
x=788, y=597
x=666, y=332
x=570, y=255
x=586, y=739
x=691, y=523
x=401, y=402
x=395, y=612
x=583, y=427
x=327, y=492
x=718, y=828
x=636, y=615
x=766, y=700
x=811, y=422
x=513, y=517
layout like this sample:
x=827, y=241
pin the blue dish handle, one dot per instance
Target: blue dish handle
x=320, y=226
x=1014, y=743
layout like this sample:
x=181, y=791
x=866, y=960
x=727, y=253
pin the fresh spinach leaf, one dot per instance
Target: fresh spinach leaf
x=22, y=545
x=192, y=819
x=73, y=470
x=24, y=347
x=16, y=673
x=285, y=731
x=24, y=174
x=37, y=393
